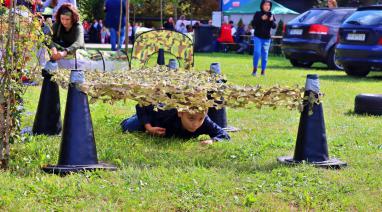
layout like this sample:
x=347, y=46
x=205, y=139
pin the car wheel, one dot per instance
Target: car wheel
x=303, y=64
x=357, y=71
x=368, y=104
x=331, y=62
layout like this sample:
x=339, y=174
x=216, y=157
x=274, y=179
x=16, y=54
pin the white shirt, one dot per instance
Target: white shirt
x=130, y=31
x=179, y=22
x=233, y=31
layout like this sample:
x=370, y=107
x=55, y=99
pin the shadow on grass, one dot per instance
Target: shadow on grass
x=163, y=142
x=291, y=68
x=262, y=168
x=352, y=113
x=346, y=78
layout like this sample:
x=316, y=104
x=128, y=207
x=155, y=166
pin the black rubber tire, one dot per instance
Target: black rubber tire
x=301, y=64
x=331, y=61
x=357, y=71
x=368, y=104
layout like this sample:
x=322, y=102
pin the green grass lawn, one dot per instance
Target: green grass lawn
x=175, y=175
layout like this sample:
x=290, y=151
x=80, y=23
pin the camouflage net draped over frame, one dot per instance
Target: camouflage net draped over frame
x=184, y=90
x=148, y=43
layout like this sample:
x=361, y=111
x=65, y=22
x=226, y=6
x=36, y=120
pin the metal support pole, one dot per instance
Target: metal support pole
x=127, y=25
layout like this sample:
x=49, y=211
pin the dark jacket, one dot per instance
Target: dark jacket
x=113, y=12
x=239, y=36
x=168, y=26
x=69, y=40
x=263, y=27
x=169, y=120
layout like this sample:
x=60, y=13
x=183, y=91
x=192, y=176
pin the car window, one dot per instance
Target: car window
x=337, y=18
x=366, y=17
x=310, y=17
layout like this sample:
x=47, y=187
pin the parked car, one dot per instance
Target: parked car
x=360, y=42
x=311, y=37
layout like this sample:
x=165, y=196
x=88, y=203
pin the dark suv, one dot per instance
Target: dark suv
x=312, y=36
x=360, y=41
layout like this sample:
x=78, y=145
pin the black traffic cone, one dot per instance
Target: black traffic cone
x=311, y=144
x=219, y=116
x=48, y=116
x=173, y=64
x=78, y=149
x=160, y=59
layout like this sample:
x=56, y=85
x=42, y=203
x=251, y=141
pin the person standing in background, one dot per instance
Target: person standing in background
x=263, y=22
x=100, y=26
x=55, y=4
x=115, y=21
x=181, y=23
x=130, y=33
x=233, y=28
x=104, y=35
x=332, y=4
x=240, y=37
x=169, y=24
x=225, y=35
x=93, y=32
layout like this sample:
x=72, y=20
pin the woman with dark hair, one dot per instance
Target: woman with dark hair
x=68, y=33
x=169, y=24
x=262, y=22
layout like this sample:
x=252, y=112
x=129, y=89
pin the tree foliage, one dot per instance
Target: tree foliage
x=20, y=34
x=92, y=9
x=344, y=3
x=197, y=9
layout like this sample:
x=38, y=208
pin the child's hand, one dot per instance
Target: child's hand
x=206, y=142
x=59, y=55
x=158, y=131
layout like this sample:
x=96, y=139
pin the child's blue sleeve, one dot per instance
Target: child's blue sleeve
x=214, y=131
x=144, y=114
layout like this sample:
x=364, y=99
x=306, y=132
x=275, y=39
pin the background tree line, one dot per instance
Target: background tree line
x=198, y=9
x=349, y=3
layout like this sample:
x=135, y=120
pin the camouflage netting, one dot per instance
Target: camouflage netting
x=175, y=43
x=184, y=90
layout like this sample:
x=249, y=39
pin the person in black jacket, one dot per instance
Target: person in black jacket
x=262, y=22
x=171, y=123
x=169, y=24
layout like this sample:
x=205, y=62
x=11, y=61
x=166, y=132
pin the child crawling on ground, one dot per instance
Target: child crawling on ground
x=171, y=123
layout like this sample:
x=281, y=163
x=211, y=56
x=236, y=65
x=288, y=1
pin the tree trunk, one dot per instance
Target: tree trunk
x=6, y=109
x=127, y=26
x=175, y=11
x=161, y=14
x=2, y=137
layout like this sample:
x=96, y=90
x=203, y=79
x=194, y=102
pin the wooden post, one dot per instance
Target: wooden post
x=120, y=26
x=127, y=26
x=161, y=13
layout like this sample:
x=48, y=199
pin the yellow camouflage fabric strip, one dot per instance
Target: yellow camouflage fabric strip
x=148, y=43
